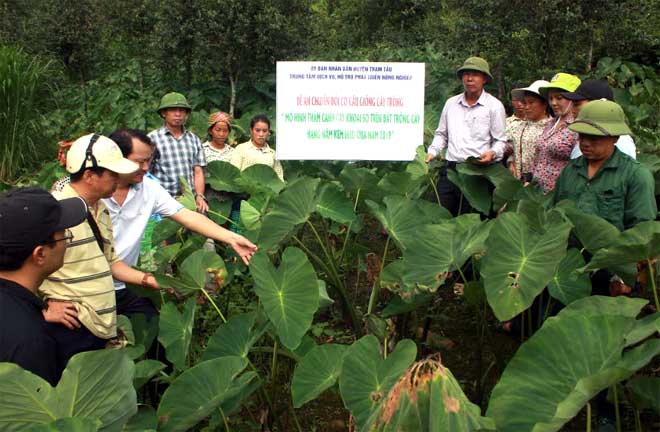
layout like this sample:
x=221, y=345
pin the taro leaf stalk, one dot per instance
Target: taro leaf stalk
x=586, y=348
x=428, y=398
x=97, y=385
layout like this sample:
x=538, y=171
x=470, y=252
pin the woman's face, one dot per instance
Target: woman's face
x=259, y=133
x=534, y=108
x=518, y=107
x=219, y=133
x=559, y=105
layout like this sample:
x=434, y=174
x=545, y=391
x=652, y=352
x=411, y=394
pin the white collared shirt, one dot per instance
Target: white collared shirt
x=130, y=219
x=470, y=130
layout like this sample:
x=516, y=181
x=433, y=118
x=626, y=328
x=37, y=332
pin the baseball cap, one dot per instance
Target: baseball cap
x=94, y=150
x=29, y=216
x=561, y=81
x=590, y=89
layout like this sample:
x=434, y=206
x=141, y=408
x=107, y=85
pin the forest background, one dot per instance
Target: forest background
x=97, y=65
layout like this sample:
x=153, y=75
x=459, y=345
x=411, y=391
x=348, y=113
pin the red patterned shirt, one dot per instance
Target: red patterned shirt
x=553, y=151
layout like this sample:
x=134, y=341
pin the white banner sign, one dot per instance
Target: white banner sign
x=349, y=110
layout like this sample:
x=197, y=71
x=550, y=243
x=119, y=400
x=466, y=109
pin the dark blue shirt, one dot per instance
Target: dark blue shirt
x=24, y=338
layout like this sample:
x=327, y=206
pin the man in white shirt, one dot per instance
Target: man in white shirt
x=137, y=197
x=591, y=90
x=472, y=124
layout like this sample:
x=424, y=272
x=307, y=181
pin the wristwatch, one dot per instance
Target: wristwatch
x=201, y=195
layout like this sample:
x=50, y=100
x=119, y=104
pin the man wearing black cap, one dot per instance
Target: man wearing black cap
x=33, y=238
x=591, y=90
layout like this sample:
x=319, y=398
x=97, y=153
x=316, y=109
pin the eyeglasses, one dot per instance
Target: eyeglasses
x=68, y=237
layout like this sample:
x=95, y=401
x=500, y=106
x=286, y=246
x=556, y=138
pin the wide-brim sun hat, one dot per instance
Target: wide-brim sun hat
x=476, y=64
x=532, y=88
x=601, y=118
x=104, y=151
x=561, y=81
x=173, y=100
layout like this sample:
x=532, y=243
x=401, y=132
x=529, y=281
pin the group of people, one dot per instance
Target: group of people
x=65, y=258
x=566, y=136
x=78, y=247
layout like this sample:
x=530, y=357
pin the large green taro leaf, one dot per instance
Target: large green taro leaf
x=568, y=361
x=401, y=217
x=222, y=176
x=289, y=294
x=639, y=243
x=333, y=204
x=361, y=183
x=145, y=370
x=259, y=179
x=475, y=189
x=429, y=398
x=292, y=207
x=401, y=183
x=438, y=249
x=199, y=391
x=366, y=377
x=95, y=385
x=568, y=284
x=235, y=337
x=175, y=331
x=519, y=263
x=316, y=372
x=193, y=272
x=593, y=232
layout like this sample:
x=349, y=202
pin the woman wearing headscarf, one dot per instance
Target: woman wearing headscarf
x=553, y=148
x=523, y=139
x=217, y=148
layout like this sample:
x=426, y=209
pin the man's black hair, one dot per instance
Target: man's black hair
x=77, y=176
x=124, y=139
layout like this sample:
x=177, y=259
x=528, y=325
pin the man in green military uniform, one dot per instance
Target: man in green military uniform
x=604, y=181
x=610, y=184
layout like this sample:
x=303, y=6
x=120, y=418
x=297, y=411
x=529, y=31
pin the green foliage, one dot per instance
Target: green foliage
x=567, y=362
x=316, y=372
x=96, y=385
x=23, y=90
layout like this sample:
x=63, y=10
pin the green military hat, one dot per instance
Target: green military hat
x=475, y=64
x=601, y=118
x=173, y=100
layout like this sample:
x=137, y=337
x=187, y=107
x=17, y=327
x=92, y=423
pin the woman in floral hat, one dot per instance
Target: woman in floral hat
x=217, y=149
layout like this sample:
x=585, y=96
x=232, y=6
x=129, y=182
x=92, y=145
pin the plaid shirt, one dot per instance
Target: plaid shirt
x=177, y=157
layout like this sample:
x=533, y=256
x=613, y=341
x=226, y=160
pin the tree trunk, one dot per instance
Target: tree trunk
x=233, y=79
x=590, y=53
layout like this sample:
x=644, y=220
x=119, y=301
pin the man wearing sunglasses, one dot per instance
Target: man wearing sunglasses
x=34, y=235
x=86, y=279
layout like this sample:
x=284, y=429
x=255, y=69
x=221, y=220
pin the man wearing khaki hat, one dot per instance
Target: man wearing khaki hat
x=604, y=181
x=472, y=124
x=83, y=290
x=180, y=152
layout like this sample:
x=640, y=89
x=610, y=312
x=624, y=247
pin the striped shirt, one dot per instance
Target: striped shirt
x=85, y=278
x=247, y=154
x=177, y=157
